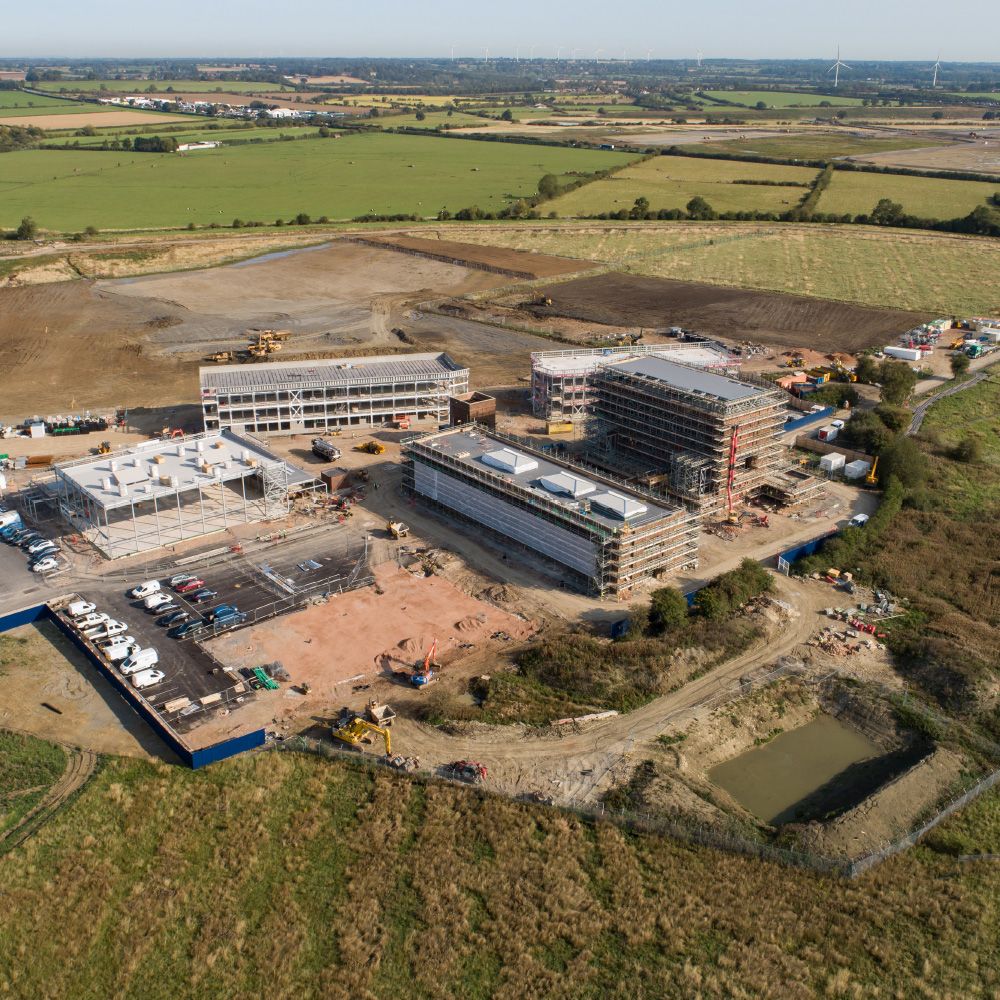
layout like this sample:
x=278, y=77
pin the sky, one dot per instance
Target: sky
x=666, y=29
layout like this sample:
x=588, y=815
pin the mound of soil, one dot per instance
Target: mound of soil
x=771, y=318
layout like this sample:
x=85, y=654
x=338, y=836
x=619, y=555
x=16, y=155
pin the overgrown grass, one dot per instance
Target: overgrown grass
x=28, y=768
x=281, y=875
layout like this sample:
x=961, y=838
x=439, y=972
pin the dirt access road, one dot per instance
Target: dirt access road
x=573, y=765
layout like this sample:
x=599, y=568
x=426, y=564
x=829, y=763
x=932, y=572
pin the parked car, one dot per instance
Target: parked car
x=230, y=618
x=176, y=581
x=200, y=596
x=39, y=544
x=858, y=521
x=140, y=661
x=80, y=608
x=186, y=628
x=167, y=608
x=28, y=538
x=114, y=640
x=45, y=565
x=222, y=609
x=121, y=650
x=155, y=601
x=49, y=549
x=145, y=589
x=188, y=585
x=106, y=631
x=9, y=532
x=92, y=619
x=174, y=618
x=148, y=678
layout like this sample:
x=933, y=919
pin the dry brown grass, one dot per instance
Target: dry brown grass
x=290, y=876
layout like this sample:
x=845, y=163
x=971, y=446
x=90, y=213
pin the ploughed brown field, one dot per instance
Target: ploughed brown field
x=737, y=314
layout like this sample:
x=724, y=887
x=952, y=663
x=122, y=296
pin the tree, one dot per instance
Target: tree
x=698, y=208
x=548, y=186
x=886, y=213
x=27, y=230
x=421, y=116
x=898, y=380
x=904, y=460
x=639, y=208
x=959, y=364
x=302, y=219
x=91, y=231
x=668, y=610
x=867, y=369
x=969, y=449
x=507, y=116
x=896, y=418
x=761, y=106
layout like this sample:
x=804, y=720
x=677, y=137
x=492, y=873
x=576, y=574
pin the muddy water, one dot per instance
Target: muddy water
x=771, y=780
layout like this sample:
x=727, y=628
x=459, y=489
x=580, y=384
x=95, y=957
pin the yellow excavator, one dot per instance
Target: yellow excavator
x=872, y=479
x=370, y=447
x=352, y=729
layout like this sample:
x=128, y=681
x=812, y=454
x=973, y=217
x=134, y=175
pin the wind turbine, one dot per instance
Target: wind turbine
x=597, y=55
x=698, y=57
x=559, y=52
x=837, y=67
x=937, y=67
x=649, y=53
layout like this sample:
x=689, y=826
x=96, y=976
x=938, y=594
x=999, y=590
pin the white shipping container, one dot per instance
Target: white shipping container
x=828, y=433
x=855, y=470
x=904, y=353
x=832, y=462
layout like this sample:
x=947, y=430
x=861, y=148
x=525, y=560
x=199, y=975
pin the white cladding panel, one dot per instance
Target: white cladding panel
x=543, y=536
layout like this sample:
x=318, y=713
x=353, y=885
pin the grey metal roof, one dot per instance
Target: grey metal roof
x=467, y=447
x=695, y=380
x=346, y=371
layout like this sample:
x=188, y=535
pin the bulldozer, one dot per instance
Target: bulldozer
x=370, y=447
x=104, y=448
x=397, y=529
x=221, y=357
x=352, y=729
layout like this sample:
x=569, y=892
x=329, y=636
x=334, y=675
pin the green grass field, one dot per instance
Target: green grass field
x=432, y=119
x=181, y=135
x=141, y=86
x=340, y=178
x=821, y=146
x=904, y=269
x=28, y=767
x=672, y=181
x=17, y=104
x=926, y=197
x=783, y=99
x=283, y=875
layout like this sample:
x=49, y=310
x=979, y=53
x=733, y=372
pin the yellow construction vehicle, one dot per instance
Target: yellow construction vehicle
x=872, y=478
x=221, y=357
x=352, y=729
x=397, y=529
x=370, y=447
x=104, y=448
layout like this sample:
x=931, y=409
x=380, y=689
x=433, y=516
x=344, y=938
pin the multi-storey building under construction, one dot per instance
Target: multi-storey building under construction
x=707, y=440
x=605, y=536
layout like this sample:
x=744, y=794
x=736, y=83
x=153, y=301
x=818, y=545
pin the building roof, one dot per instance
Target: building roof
x=695, y=380
x=348, y=371
x=470, y=447
x=584, y=361
x=162, y=468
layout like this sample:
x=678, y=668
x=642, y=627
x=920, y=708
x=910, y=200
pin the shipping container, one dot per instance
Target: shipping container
x=828, y=433
x=904, y=353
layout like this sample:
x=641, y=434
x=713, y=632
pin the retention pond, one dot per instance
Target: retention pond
x=820, y=768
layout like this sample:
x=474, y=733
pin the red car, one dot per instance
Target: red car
x=189, y=585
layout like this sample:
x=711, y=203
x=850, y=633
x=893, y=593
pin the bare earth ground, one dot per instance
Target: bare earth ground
x=768, y=317
x=979, y=157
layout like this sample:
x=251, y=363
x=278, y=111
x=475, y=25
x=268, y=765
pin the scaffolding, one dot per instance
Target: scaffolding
x=712, y=438
x=562, y=382
x=297, y=397
x=602, y=554
x=167, y=492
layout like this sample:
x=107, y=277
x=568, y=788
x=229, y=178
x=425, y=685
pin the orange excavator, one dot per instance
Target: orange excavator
x=424, y=674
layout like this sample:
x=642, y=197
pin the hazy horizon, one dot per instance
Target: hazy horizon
x=250, y=30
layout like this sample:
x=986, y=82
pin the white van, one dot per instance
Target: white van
x=121, y=650
x=145, y=589
x=147, y=678
x=142, y=660
x=859, y=520
x=80, y=608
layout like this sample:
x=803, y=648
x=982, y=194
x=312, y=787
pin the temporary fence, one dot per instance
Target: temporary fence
x=809, y=418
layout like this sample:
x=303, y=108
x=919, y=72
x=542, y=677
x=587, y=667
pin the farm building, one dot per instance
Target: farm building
x=711, y=439
x=562, y=381
x=163, y=492
x=292, y=397
x=605, y=536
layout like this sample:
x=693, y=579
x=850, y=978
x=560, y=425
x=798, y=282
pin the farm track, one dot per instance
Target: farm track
x=80, y=765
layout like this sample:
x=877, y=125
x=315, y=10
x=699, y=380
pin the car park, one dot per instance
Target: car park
x=155, y=601
x=186, y=628
x=200, y=596
x=80, y=608
x=189, y=585
x=144, y=589
x=174, y=618
x=142, y=660
x=147, y=678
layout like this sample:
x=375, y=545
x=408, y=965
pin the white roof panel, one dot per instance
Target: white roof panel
x=567, y=483
x=510, y=461
x=618, y=505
